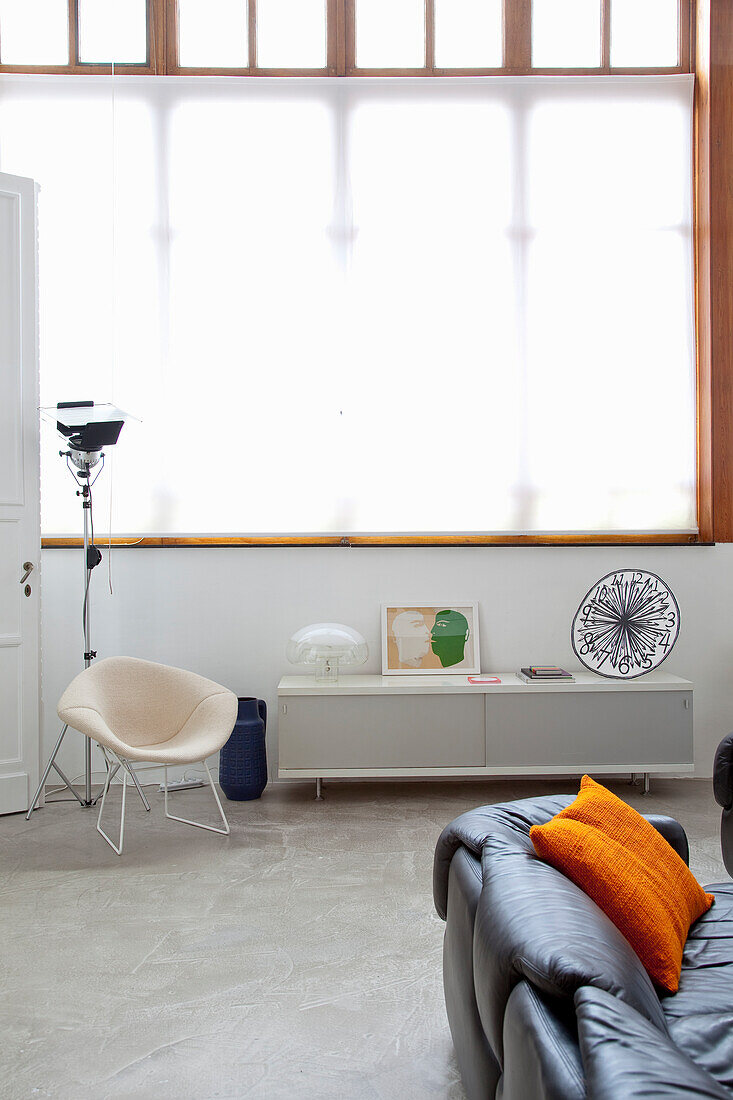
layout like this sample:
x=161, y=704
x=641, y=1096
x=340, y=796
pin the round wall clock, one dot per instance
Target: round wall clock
x=626, y=624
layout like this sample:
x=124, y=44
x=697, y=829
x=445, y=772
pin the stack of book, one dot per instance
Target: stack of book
x=544, y=674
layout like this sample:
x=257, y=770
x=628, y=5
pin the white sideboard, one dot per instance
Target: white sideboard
x=376, y=726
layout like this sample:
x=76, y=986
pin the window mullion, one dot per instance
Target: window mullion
x=518, y=35
x=252, y=33
x=349, y=16
x=73, y=33
x=606, y=35
x=335, y=41
x=685, y=11
x=430, y=35
x=166, y=37
x=157, y=36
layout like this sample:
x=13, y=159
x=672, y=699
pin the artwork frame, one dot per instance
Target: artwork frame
x=417, y=646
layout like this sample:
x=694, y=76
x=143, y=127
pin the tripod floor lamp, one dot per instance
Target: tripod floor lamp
x=87, y=428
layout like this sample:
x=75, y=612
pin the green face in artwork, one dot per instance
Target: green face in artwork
x=449, y=636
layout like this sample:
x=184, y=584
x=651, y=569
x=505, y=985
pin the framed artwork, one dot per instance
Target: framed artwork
x=429, y=639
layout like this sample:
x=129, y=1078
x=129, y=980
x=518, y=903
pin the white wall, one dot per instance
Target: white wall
x=228, y=613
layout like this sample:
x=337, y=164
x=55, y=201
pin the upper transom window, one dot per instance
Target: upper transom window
x=345, y=37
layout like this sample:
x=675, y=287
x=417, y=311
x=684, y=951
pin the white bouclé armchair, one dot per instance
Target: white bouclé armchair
x=141, y=711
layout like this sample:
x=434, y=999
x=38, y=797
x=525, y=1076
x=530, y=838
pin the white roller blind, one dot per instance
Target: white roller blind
x=384, y=306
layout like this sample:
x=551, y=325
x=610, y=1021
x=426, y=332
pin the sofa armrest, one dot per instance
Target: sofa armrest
x=627, y=1058
x=723, y=773
x=472, y=829
x=672, y=832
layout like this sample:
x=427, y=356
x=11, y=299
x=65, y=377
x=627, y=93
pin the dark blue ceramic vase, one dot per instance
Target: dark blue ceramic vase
x=243, y=760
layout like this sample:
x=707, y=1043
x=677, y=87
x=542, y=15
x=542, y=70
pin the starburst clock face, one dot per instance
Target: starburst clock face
x=626, y=625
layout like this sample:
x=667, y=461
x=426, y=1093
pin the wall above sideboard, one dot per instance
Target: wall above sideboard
x=227, y=613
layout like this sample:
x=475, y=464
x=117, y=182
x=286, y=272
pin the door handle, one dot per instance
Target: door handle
x=28, y=566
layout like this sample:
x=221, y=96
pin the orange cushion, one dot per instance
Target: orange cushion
x=630, y=871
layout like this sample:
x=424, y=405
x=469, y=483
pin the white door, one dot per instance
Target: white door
x=20, y=534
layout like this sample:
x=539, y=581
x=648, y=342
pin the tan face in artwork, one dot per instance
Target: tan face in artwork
x=412, y=635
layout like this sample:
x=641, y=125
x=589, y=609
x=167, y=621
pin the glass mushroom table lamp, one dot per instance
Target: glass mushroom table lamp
x=328, y=646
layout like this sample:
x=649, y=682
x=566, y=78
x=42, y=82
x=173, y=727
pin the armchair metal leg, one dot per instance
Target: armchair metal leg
x=187, y=821
x=130, y=772
x=139, y=789
x=110, y=773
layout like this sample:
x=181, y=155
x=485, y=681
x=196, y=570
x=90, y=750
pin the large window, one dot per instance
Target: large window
x=393, y=306
x=386, y=304
x=345, y=37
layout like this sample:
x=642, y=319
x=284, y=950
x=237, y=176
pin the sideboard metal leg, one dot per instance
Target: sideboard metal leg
x=647, y=785
x=632, y=780
x=319, y=790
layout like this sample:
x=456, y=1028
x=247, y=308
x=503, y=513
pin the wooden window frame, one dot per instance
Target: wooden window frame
x=81, y=68
x=713, y=268
x=517, y=46
x=705, y=47
x=162, y=52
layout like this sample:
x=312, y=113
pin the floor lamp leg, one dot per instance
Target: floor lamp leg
x=52, y=764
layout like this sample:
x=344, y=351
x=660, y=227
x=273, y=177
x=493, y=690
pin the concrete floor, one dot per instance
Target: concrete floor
x=299, y=957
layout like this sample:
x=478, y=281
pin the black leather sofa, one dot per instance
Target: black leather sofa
x=545, y=997
x=723, y=789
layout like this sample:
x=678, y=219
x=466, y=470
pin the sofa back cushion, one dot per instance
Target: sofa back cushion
x=700, y=1016
x=625, y=1058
